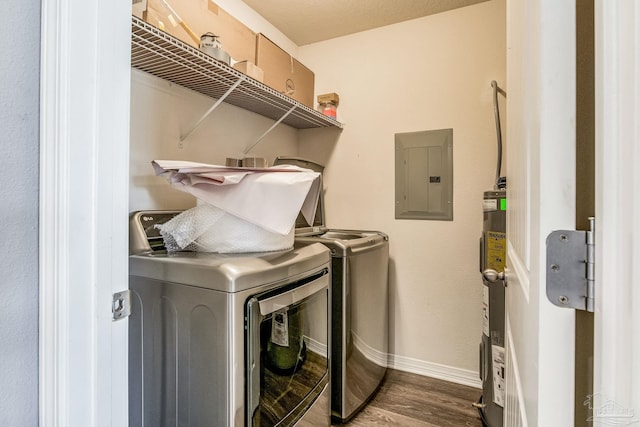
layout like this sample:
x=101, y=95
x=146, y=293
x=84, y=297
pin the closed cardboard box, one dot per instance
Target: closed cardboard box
x=284, y=73
x=203, y=16
x=250, y=69
x=138, y=7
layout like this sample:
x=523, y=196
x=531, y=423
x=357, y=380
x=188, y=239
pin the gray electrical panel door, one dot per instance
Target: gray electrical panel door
x=424, y=175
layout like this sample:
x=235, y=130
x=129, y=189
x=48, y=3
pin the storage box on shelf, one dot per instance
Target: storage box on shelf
x=250, y=69
x=283, y=72
x=201, y=18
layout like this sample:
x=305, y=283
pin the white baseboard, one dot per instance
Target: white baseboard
x=378, y=357
x=407, y=364
x=316, y=346
x=420, y=367
x=435, y=370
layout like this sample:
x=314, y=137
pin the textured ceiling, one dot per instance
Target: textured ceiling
x=310, y=21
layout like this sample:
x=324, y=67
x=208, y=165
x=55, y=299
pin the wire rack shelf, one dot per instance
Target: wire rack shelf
x=156, y=52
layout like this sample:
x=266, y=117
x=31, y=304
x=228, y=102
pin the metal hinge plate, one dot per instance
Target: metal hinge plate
x=121, y=305
x=570, y=268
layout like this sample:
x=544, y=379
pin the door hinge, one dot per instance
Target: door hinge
x=121, y=305
x=571, y=268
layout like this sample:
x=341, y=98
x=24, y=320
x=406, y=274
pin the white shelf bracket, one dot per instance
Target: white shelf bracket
x=270, y=129
x=233, y=87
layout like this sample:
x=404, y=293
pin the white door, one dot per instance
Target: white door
x=540, y=148
x=616, y=399
x=540, y=158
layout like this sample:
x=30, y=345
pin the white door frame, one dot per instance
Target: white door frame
x=84, y=173
x=616, y=396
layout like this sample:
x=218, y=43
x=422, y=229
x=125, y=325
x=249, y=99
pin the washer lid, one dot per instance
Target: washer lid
x=347, y=242
x=230, y=272
x=318, y=220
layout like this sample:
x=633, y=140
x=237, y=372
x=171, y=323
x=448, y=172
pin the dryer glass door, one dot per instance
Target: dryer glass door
x=287, y=351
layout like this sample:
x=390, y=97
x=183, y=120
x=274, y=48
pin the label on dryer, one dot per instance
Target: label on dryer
x=280, y=328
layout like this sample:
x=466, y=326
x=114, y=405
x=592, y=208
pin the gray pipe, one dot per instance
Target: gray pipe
x=496, y=112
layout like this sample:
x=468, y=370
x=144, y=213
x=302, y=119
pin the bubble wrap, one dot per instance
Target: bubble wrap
x=207, y=228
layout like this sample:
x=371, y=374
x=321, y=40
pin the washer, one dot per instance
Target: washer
x=360, y=313
x=203, y=328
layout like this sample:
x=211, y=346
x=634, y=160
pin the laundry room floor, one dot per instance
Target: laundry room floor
x=410, y=400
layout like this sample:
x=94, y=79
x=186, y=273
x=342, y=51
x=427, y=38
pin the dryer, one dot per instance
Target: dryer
x=359, y=305
x=227, y=340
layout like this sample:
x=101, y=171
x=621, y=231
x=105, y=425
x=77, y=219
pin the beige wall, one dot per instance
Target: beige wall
x=162, y=111
x=429, y=73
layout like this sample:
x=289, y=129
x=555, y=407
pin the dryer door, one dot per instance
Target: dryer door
x=287, y=352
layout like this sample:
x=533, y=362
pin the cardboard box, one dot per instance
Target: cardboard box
x=250, y=69
x=138, y=8
x=329, y=97
x=283, y=72
x=203, y=16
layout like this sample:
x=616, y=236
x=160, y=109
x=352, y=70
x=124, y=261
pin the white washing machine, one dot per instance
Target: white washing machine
x=227, y=340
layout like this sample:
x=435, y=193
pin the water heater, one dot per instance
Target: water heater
x=493, y=244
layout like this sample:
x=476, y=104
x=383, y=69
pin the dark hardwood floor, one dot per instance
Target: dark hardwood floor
x=410, y=400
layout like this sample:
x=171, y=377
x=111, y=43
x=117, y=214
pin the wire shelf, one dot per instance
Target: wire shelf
x=157, y=53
